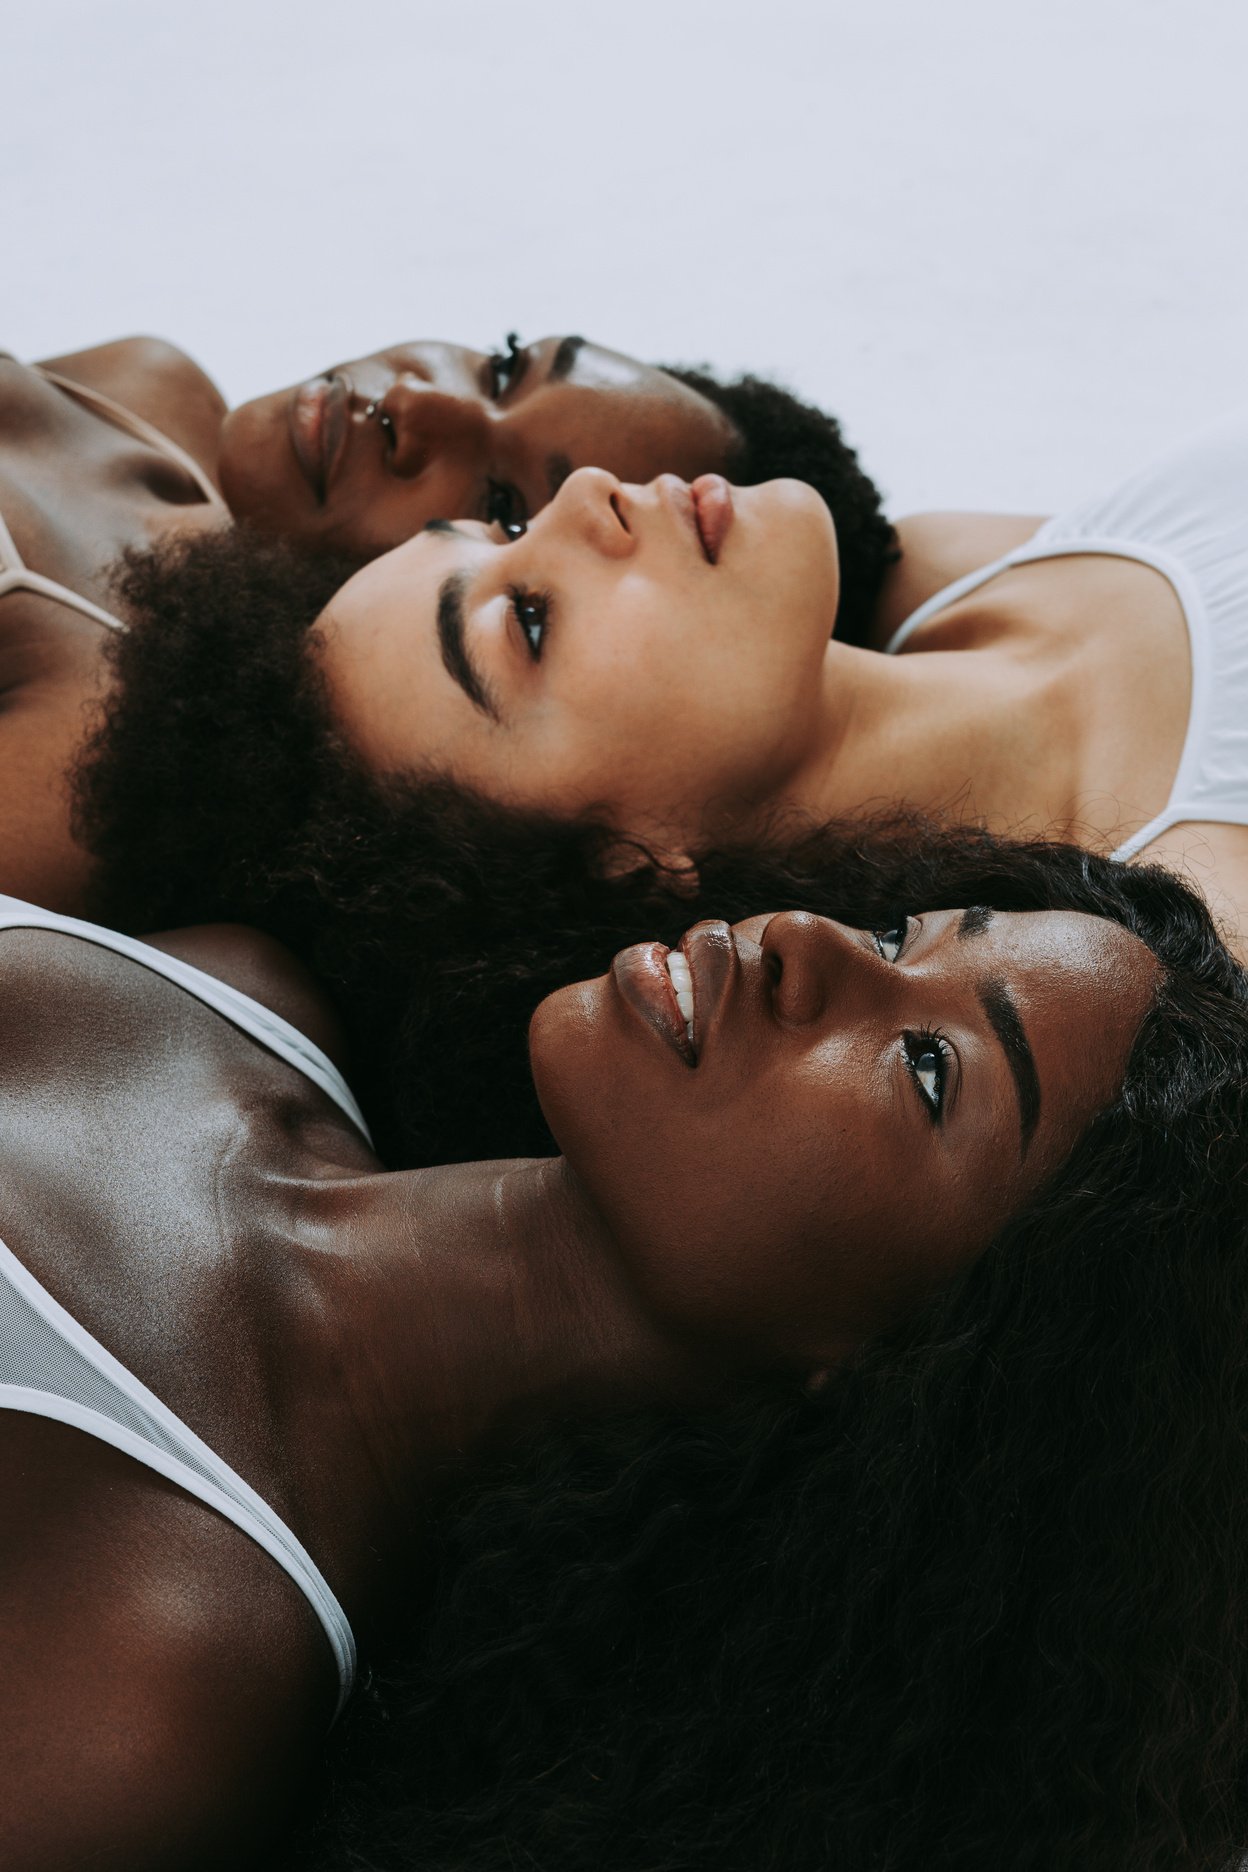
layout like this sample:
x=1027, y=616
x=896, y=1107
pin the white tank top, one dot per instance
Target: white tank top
x=50, y=1366
x=1186, y=516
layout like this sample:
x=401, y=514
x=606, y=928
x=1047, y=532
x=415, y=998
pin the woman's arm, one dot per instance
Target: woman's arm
x=156, y=381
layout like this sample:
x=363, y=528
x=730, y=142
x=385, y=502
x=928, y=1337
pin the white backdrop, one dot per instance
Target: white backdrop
x=1007, y=243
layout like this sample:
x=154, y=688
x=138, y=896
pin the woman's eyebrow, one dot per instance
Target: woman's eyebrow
x=564, y=359
x=456, y=657
x=1004, y=1018
x=974, y=921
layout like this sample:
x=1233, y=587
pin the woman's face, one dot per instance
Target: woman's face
x=639, y=652
x=358, y=459
x=854, y=1119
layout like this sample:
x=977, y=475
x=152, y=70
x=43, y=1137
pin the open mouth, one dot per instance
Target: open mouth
x=682, y=987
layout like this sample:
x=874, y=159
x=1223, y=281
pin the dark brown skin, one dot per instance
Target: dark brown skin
x=341, y=1336
x=76, y=492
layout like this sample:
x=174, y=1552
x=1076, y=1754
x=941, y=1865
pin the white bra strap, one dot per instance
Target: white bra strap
x=20, y=578
x=137, y=426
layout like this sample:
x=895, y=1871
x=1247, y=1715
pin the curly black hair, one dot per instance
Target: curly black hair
x=781, y=436
x=980, y=1603
x=216, y=787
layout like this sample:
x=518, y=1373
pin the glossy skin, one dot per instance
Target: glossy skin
x=77, y=492
x=621, y=673
x=429, y=430
x=824, y=1165
x=617, y=667
x=341, y=1336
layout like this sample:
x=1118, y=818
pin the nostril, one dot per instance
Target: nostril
x=618, y=511
x=774, y=967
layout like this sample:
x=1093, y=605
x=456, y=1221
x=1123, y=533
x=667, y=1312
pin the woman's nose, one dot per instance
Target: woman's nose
x=428, y=422
x=817, y=966
x=593, y=506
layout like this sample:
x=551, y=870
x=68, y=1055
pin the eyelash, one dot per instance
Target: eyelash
x=901, y=925
x=512, y=517
x=505, y=364
x=539, y=603
x=928, y=1042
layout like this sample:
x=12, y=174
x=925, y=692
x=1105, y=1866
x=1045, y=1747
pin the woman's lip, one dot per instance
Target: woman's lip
x=644, y=985
x=711, y=952
x=713, y=511
x=318, y=420
x=677, y=496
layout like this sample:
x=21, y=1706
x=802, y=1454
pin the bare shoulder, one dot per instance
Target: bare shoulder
x=936, y=549
x=259, y=966
x=164, y=1692
x=155, y=380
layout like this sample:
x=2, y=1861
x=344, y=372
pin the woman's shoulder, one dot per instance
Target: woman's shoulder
x=263, y=968
x=162, y=1680
x=938, y=549
x=155, y=380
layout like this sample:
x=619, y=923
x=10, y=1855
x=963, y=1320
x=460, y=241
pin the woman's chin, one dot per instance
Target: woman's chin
x=563, y=1041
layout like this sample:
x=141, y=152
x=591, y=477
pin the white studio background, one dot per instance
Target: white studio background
x=1006, y=243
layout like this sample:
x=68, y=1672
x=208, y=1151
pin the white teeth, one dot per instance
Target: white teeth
x=682, y=985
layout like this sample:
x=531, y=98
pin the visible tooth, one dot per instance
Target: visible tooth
x=684, y=1001
x=678, y=969
x=689, y=1029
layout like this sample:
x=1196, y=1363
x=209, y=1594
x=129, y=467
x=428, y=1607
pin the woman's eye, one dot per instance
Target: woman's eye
x=504, y=366
x=504, y=508
x=531, y=611
x=927, y=1057
x=891, y=941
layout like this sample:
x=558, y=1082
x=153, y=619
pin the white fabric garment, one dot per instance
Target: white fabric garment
x=50, y=1366
x=1186, y=516
x=16, y=575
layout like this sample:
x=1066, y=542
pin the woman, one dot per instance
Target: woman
x=970, y=1103
x=472, y=724
x=127, y=444
x=663, y=660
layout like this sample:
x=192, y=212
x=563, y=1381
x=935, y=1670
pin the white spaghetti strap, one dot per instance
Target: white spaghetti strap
x=16, y=575
x=1183, y=812
x=51, y=1366
x=20, y=578
x=260, y=1023
x=137, y=426
x=10, y=559
x=1186, y=517
x=78, y=1382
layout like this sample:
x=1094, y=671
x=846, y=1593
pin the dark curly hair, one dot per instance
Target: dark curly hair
x=216, y=788
x=783, y=437
x=980, y=1604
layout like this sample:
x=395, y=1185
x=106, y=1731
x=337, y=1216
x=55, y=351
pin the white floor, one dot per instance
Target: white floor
x=1008, y=243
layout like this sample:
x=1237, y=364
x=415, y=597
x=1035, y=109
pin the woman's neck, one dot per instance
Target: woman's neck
x=473, y=1302
x=989, y=732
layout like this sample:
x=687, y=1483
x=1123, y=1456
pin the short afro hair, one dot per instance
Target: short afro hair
x=782, y=437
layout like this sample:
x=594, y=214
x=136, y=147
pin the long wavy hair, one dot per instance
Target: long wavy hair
x=216, y=787
x=980, y=1603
